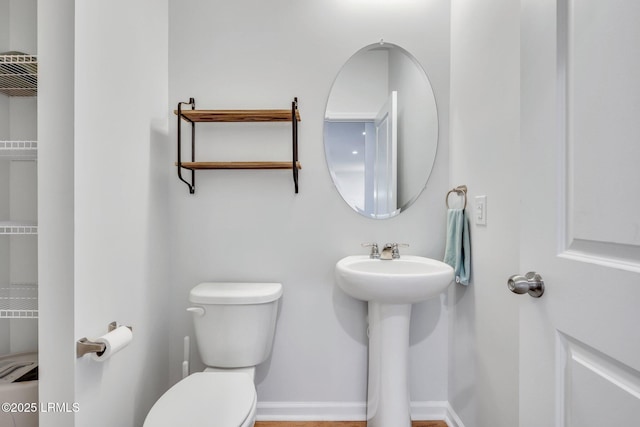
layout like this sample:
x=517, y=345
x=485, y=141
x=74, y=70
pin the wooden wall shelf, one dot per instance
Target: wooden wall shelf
x=194, y=116
x=210, y=116
x=238, y=165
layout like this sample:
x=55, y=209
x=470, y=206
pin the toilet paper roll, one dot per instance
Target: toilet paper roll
x=114, y=341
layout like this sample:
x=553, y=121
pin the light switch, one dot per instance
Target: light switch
x=480, y=210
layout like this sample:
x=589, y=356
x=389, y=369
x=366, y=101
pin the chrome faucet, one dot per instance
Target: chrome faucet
x=390, y=250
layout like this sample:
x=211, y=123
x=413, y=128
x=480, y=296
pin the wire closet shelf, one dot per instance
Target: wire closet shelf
x=18, y=74
x=19, y=301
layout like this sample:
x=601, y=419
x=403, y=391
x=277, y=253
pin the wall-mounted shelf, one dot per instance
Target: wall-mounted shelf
x=19, y=301
x=20, y=150
x=18, y=74
x=18, y=227
x=238, y=165
x=194, y=116
x=210, y=116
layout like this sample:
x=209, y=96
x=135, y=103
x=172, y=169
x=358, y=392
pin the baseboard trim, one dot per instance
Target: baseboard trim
x=350, y=411
x=311, y=411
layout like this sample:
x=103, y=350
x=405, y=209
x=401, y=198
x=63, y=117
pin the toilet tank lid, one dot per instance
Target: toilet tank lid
x=235, y=293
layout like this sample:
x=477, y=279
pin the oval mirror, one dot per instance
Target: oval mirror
x=381, y=130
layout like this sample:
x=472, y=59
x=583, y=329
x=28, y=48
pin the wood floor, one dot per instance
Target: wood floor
x=339, y=424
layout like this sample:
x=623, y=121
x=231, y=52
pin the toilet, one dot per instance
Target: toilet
x=234, y=326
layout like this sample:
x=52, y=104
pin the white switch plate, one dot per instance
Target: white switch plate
x=480, y=210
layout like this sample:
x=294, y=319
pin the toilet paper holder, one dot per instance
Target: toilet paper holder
x=84, y=346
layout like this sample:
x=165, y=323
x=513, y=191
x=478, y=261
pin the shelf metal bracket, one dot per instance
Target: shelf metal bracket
x=192, y=184
x=294, y=125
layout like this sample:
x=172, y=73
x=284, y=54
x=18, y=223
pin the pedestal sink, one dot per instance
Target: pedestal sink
x=390, y=287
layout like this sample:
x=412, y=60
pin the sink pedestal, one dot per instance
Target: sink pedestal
x=390, y=287
x=388, y=393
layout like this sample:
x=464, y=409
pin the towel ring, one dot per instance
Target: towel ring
x=459, y=190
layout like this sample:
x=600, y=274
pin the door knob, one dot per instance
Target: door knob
x=530, y=283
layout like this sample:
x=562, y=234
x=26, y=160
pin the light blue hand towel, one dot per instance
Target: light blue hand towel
x=457, y=253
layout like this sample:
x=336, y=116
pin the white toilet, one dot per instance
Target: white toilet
x=234, y=325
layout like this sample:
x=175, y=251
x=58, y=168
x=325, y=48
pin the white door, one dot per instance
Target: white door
x=580, y=128
x=385, y=175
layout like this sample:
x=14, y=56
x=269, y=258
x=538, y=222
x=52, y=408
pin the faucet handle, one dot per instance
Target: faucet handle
x=395, y=253
x=374, y=250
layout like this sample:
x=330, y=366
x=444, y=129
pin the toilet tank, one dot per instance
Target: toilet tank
x=234, y=322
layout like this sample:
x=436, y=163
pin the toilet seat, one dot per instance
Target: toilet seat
x=206, y=399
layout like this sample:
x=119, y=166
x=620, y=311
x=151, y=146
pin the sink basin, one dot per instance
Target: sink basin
x=406, y=280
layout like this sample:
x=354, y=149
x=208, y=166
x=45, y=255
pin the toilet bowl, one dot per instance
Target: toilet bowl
x=234, y=325
x=208, y=399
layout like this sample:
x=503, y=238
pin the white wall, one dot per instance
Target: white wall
x=249, y=225
x=121, y=211
x=55, y=208
x=22, y=34
x=483, y=387
x=103, y=206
